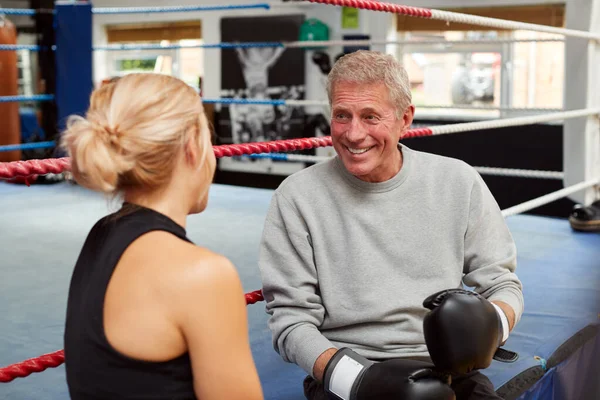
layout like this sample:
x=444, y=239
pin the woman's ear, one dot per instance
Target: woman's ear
x=191, y=151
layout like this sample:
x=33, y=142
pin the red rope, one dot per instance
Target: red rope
x=412, y=133
x=57, y=165
x=379, y=6
x=53, y=360
x=275, y=146
x=254, y=297
x=33, y=167
x=28, y=168
x=27, y=367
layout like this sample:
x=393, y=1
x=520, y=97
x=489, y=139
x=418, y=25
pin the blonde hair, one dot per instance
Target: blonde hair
x=133, y=130
x=369, y=67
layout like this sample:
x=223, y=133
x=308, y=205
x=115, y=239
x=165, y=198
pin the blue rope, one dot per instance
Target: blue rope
x=36, y=97
x=27, y=146
x=145, y=10
x=178, y=46
x=17, y=11
x=31, y=47
x=272, y=156
x=244, y=101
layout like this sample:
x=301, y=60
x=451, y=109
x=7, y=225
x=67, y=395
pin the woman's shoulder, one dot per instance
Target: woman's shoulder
x=185, y=265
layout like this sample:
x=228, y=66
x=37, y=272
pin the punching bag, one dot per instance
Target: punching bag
x=10, y=128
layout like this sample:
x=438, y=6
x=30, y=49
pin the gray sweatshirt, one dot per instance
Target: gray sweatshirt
x=347, y=263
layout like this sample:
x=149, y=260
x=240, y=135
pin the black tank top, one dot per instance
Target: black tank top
x=95, y=370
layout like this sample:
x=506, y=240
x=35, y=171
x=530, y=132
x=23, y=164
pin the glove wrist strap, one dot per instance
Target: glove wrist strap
x=504, y=320
x=342, y=372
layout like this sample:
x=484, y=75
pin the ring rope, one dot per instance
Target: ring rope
x=512, y=172
x=508, y=122
x=35, y=97
x=296, y=44
x=549, y=198
x=27, y=367
x=454, y=17
x=521, y=173
x=325, y=103
x=27, y=146
x=53, y=360
x=40, y=167
x=311, y=44
x=30, y=47
x=170, y=9
x=18, y=11
x=153, y=10
x=296, y=103
x=27, y=168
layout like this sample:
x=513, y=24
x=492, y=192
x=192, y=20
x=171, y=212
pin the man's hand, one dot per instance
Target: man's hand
x=463, y=330
x=350, y=376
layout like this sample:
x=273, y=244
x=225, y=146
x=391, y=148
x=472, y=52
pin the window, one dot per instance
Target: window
x=490, y=69
x=185, y=63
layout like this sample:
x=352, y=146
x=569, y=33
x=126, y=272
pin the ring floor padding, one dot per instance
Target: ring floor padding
x=42, y=228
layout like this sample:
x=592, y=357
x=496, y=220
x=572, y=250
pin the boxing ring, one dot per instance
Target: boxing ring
x=557, y=339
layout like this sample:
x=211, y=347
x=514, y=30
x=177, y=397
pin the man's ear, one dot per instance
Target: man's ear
x=409, y=115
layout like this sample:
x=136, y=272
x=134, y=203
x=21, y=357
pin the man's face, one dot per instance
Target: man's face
x=365, y=130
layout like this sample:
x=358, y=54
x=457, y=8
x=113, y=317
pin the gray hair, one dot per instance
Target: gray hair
x=366, y=67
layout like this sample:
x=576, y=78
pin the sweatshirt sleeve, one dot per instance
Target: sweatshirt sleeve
x=290, y=286
x=490, y=252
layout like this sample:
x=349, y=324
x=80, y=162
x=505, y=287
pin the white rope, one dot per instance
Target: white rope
x=490, y=108
x=288, y=4
x=456, y=17
x=326, y=43
x=504, y=24
x=520, y=173
x=300, y=157
x=301, y=103
x=506, y=122
x=549, y=198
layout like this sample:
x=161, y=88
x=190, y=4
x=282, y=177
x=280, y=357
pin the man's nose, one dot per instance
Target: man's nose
x=356, y=132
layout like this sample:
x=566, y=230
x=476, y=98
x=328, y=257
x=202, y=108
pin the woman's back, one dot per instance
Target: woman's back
x=106, y=349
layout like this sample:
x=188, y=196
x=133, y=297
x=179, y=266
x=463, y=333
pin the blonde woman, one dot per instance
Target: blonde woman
x=150, y=315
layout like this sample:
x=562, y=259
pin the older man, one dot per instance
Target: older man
x=363, y=257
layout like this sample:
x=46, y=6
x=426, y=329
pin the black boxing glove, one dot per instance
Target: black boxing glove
x=349, y=376
x=463, y=330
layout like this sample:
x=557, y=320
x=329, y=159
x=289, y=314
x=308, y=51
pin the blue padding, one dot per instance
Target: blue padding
x=74, y=82
x=560, y=271
x=574, y=378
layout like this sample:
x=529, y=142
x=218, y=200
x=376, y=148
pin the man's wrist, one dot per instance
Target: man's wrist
x=508, y=311
x=321, y=363
x=342, y=373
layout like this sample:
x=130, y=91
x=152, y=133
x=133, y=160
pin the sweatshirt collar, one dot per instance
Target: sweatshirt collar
x=378, y=187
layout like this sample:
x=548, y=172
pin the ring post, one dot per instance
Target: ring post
x=581, y=136
x=74, y=82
